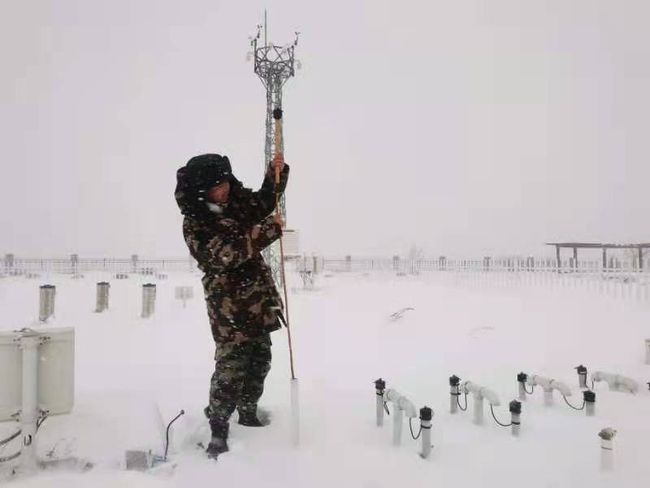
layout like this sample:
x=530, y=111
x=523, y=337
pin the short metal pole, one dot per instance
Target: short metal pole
x=148, y=299
x=46, y=305
x=380, y=387
x=582, y=376
x=515, y=417
x=521, y=381
x=607, y=448
x=590, y=402
x=102, y=296
x=426, y=415
x=454, y=393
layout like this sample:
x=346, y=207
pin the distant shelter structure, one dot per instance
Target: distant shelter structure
x=604, y=247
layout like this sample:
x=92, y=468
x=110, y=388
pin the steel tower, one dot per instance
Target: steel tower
x=274, y=65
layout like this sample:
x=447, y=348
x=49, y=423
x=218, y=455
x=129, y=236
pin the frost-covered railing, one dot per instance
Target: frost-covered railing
x=77, y=265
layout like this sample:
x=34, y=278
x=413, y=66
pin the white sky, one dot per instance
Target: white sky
x=466, y=127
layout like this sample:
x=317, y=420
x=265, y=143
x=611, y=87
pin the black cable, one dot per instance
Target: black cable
x=574, y=408
x=411, y=429
x=182, y=412
x=532, y=388
x=9, y=458
x=386, y=408
x=40, y=421
x=458, y=402
x=495, y=419
x=10, y=438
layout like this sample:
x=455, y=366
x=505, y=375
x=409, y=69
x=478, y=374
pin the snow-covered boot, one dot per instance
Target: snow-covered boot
x=248, y=416
x=219, y=441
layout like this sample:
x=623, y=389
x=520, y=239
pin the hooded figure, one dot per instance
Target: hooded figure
x=226, y=226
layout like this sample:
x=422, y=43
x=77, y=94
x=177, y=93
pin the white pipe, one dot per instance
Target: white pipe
x=478, y=409
x=522, y=391
x=561, y=387
x=479, y=393
x=548, y=385
x=29, y=342
x=402, y=406
x=453, y=399
x=516, y=424
x=295, y=412
x=616, y=382
x=407, y=406
x=426, y=438
x=379, y=406
x=607, y=448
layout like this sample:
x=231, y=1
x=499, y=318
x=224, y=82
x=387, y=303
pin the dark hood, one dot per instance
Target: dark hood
x=194, y=180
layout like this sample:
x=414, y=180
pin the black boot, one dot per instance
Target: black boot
x=249, y=418
x=219, y=442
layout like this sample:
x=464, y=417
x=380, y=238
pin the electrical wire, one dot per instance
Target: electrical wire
x=10, y=438
x=532, y=388
x=182, y=412
x=10, y=458
x=574, y=408
x=495, y=418
x=458, y=402
x=411, y=429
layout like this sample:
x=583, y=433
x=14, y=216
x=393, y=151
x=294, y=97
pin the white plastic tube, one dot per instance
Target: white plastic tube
x=295, y=412
x=29, y=343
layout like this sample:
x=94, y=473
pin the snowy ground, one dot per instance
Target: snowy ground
x=132, y=373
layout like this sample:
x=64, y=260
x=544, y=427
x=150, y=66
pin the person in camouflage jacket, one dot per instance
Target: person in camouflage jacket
x=226, y=226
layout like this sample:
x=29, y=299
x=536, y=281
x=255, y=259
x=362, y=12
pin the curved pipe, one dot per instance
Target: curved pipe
x=401, y=402
x=549, y=384
x=481, y=392
x=616, y=381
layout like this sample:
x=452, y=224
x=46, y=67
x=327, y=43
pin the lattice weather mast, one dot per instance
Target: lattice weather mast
x=274, y=65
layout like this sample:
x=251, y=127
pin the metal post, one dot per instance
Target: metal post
x=590, y=402
x=582, y=376
x=454, y=393
x=607, y=448
x=557, y=257
x=380, y=387
x=46, y=304
x=521, y=382
x=102, y=296
x=426, y=415
x=515, y=414
x=148, y=299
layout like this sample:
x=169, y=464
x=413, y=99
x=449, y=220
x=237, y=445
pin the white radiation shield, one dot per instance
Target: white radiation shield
x=55, y=372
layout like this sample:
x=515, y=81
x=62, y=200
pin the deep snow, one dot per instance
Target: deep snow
x=134, y=374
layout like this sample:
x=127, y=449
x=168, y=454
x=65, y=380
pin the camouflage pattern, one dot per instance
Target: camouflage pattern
x=241, y=296
x=242, y=300
x=238, y=379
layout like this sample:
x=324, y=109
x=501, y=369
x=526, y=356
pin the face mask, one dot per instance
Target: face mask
x=215, y=207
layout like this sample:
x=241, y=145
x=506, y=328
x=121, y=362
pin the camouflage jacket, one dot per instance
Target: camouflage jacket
x=239, y=289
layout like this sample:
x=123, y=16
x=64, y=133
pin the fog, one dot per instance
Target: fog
x=465, y=128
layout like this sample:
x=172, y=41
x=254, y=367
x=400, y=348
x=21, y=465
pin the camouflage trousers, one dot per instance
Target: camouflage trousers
x=238, y=378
